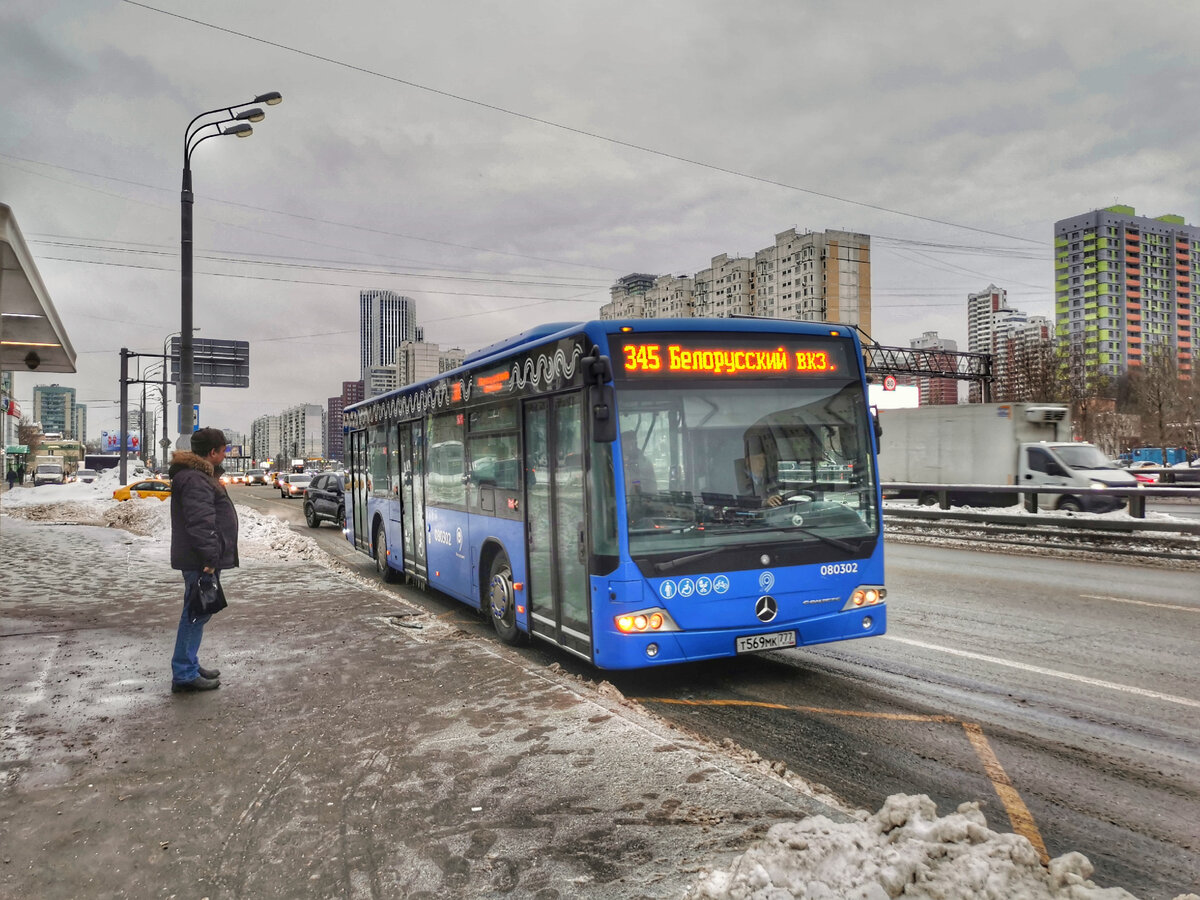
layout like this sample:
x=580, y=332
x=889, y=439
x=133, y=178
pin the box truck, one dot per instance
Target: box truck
x=1020, y=444
x=49, y=470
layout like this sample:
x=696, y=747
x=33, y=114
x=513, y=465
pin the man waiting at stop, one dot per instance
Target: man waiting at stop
x=204, y=532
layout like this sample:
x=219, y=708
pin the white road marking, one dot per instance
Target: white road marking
x=1194, y=609
x=1112, y=686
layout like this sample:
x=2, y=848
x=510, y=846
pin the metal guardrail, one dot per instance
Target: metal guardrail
x=1136, y=496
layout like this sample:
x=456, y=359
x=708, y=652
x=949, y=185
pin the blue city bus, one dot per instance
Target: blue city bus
x=637, y=492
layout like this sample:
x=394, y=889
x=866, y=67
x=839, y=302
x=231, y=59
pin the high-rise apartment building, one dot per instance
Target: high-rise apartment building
x=302, y=432
x=335, y=440
x=1124, y=290
x=54, y=408
x=386, y=319
x=79, y=429
x=935, y=391
x=1011, y=336
x=265, y=440
x=418, y=360
x=815, y=277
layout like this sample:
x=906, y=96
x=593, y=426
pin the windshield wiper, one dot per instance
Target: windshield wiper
x=684, y=560
x=832, y=541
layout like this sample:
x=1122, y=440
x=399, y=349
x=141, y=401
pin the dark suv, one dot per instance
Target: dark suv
x=325, y=500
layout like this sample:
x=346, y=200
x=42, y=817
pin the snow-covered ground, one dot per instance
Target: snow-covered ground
x=903, y=850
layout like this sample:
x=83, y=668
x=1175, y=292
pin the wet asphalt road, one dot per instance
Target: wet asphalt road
x=1064, y=695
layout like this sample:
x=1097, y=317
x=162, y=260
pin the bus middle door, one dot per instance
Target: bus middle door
x=556, y=514
x=412, y=498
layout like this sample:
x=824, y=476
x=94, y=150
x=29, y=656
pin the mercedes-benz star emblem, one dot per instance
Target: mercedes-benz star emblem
x=766, y=608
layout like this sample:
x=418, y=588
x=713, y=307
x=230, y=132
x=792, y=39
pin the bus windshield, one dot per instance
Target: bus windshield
x=709, y=467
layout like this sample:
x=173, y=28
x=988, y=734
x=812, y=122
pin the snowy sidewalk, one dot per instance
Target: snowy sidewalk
x=350, y=753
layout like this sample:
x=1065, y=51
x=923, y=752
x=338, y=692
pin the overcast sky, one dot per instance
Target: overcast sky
x=504, y=162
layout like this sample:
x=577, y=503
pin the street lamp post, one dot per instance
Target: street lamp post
x=193, y=136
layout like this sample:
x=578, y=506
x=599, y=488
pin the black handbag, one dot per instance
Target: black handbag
x=205, y=597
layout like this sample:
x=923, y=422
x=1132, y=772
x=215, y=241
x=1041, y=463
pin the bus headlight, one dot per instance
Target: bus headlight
x=655, y=619
x=866, y=595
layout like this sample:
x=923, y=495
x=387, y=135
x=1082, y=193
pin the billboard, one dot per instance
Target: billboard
x=110, y=442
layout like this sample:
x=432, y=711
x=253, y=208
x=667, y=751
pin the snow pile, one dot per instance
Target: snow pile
x=904, y=850
x=266, y=537
x=259, y=536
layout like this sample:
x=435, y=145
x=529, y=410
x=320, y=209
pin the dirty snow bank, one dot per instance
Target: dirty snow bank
x=259, y=536
x=904, y=850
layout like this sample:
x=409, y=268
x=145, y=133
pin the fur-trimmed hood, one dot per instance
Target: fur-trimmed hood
x=185, y=459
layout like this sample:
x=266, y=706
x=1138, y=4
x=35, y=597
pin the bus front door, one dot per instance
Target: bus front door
x=412, y=499
x=557, y=522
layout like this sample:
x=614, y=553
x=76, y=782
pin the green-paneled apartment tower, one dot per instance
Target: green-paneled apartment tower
x=1124, y=285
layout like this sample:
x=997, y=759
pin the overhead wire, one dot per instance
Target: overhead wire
x=572, y=129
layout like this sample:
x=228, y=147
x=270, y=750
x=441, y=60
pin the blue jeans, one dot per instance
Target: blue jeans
x=184, y=663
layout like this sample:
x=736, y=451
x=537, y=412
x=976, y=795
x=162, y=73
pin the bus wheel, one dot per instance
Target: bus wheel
x=502, y=600
x=386, y=572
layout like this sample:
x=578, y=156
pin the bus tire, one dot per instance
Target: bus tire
x=501, y=600
x=386, y=572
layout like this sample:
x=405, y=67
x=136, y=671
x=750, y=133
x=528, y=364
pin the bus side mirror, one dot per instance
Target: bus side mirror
x=601, y=398
x=602, y=401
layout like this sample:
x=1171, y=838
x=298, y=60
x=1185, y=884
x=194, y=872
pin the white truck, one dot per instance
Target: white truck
x=1020, y=444
x=49, y=470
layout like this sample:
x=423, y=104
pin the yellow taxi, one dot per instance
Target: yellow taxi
x=147, y=487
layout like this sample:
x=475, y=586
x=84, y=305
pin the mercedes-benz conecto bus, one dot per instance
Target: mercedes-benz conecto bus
x=637, y=492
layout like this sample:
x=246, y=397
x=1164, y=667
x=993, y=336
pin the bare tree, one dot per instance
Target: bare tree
x=1154, y=394
x=1037, y=373
x=30, y=435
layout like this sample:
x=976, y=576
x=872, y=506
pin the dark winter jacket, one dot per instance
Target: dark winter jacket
x=204, y=524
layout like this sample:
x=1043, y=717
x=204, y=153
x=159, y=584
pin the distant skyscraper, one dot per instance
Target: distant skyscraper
x=335, y=440
x=266, y=440
x=80, y=431
x=935, y=391
x=302, y=432
x=1009, y=335
x=385, y=320
x=1124, y=287
x=54, y=408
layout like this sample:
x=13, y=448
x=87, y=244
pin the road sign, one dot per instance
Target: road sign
x=215, y=363
x=196, y=419
x=889, y=382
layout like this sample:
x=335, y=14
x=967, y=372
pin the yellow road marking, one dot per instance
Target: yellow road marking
x=897, y=717
x=1018, y=813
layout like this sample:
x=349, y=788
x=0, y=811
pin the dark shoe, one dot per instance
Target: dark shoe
x=199, y=683
x=209, y=673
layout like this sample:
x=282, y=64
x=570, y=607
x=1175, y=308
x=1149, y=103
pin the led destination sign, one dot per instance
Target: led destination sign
x=674, y=355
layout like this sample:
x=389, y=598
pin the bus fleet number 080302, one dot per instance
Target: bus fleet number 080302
x=840, y=568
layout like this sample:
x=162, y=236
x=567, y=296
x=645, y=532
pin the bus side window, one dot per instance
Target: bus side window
x=446, y=471
x=378, y=461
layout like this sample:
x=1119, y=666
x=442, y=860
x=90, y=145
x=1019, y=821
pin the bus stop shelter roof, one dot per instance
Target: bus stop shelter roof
x=32, y=336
